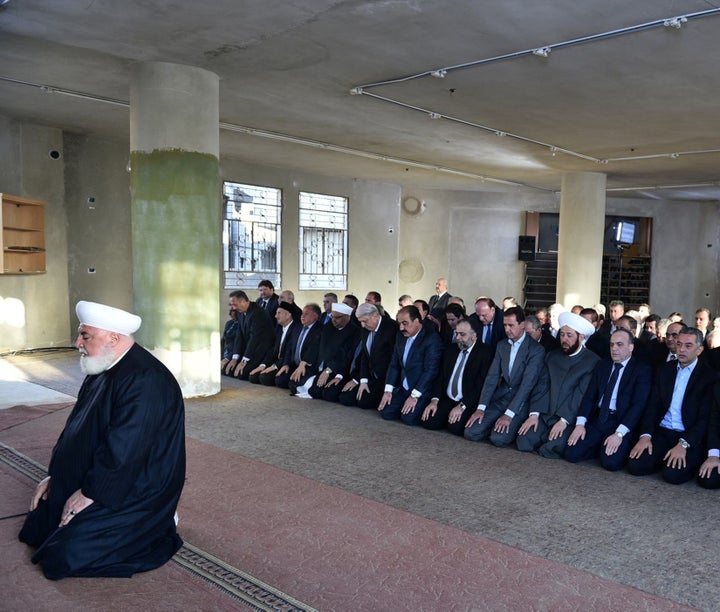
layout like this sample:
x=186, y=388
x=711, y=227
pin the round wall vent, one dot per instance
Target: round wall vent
x=411, y=270
x=413, y=206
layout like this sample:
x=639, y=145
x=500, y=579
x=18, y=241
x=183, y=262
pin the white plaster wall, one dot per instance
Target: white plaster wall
x=471, y=238
x=100, y=234
x=33, y=310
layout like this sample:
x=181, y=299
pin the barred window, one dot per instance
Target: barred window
x=251, y=235
x=323, y=241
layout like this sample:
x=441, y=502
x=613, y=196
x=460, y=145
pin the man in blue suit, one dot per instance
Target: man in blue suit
x=611, y=407
x=515, y=370
x=414, y=366
x=675, y=423
x=488, y=321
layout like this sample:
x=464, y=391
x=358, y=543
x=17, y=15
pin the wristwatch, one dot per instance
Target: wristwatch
x=684, y=443
x=619, y=435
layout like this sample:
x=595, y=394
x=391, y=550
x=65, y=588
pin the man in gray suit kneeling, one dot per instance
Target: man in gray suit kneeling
x=516, y=369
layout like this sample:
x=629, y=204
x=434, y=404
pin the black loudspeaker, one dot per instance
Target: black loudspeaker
x=526, y=248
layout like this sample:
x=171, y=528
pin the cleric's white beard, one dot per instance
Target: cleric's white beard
x=97, y=364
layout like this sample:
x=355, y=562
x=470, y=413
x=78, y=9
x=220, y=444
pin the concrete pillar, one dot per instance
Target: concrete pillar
x=580, y=244
x=175, y=195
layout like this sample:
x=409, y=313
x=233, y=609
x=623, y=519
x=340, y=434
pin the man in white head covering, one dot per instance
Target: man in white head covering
x=337, y=347
x=116, y=473
x=569, y=369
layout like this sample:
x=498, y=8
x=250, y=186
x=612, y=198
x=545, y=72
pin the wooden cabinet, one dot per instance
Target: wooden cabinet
x=23, y=235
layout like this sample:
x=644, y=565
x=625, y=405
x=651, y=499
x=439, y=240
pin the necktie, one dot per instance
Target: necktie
x=458, y=372
x=370, y=338
x=486, y=334
x=264, y=304
x=607, y=394
x=408, y=344
x=298, y=348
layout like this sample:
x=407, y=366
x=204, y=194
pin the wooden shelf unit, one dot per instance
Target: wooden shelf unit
x=23, y=235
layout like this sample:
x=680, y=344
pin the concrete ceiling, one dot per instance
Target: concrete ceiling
x=288, y=68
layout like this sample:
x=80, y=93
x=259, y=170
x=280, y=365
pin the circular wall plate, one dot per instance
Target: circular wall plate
x=411, y=270
x=412, y=205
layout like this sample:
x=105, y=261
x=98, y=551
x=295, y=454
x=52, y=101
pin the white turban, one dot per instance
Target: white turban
x=342, y=308
x=574, y=321
x=107, y=317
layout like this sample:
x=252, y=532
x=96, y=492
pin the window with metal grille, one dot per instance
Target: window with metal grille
x=323, y=241
x=251, y=235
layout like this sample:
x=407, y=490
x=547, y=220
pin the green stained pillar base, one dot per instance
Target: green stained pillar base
x=176, y=220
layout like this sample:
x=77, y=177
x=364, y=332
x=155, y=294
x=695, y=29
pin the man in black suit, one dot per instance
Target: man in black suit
x=428, y=322
x=709, y=475
x=268, y=299
x=611, y=407
x=465, y=366
x=302, y=354
x=337, y=347
x=272, y=362
x=597, y=343
x=488, y=321
x=288, y=297
x=675, y=423
x=439, y=301
x=328, y=300
x=413, y=368
x=255, y=336
x=616, y=309
x=454, y=313
x=366, y=383
x=535, y=330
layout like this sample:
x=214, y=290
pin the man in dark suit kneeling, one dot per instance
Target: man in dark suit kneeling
x=675, y=423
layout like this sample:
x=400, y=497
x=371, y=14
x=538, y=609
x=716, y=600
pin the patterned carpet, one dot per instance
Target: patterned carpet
x=330, y=548
x=230, y=580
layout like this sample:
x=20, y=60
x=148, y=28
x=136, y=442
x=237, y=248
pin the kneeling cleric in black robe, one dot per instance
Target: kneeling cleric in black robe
x=116, y=473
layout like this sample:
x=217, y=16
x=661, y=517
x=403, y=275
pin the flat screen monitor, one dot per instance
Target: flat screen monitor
x=625, y=232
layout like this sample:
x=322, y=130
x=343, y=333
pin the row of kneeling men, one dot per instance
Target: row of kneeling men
x=568, y=402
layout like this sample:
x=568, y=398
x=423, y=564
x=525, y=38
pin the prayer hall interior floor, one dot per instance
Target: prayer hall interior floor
x=336, y=509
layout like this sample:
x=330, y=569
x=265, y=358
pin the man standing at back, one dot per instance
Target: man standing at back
x=439, y=301
x=118, y=468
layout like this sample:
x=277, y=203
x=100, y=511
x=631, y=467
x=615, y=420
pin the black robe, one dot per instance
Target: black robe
x=124, y=446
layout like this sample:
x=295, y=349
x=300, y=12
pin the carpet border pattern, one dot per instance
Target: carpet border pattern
x=232, y=581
